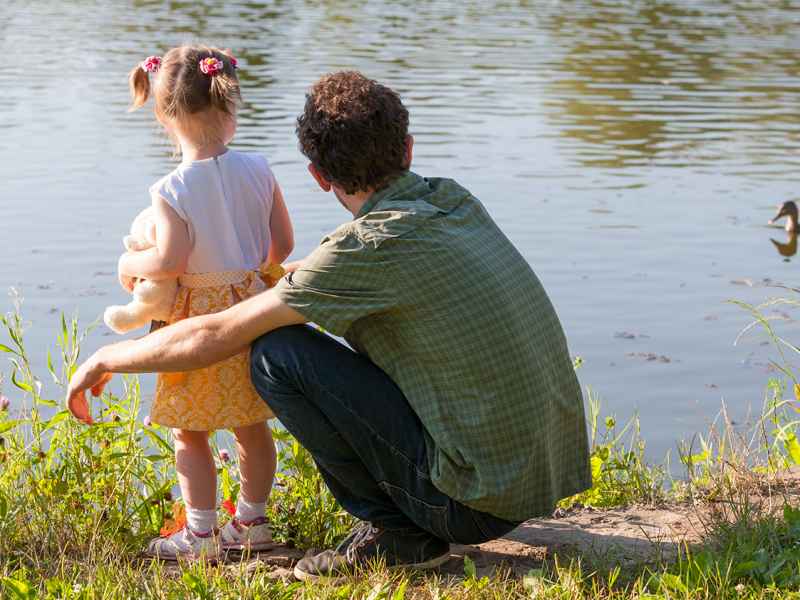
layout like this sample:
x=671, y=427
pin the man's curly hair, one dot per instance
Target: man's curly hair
x=354, y=131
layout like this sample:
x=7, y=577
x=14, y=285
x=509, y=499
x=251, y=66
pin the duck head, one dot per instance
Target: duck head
x=789, y=210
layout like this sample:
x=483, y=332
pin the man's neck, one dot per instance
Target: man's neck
x=352, y=202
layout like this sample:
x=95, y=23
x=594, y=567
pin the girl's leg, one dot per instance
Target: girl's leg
x=197, y=472
x=249, y=529
x=197, y=475
x=257, y=461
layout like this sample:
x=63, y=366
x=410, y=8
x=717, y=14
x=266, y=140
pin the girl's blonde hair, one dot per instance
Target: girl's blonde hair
x=181, y=89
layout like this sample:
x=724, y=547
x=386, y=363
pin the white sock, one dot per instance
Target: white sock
x=201, y=521
x=250, y=511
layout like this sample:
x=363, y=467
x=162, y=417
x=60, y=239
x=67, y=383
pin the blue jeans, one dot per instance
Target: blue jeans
x=365, y=438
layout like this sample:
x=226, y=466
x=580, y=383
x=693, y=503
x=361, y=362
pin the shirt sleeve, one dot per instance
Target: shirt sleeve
x=270, y=177
x=339, y=283
x=170, y=190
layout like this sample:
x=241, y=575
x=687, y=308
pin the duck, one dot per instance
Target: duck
x=789, y=210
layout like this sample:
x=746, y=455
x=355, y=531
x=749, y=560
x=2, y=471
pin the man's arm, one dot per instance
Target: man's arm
x=185, y=346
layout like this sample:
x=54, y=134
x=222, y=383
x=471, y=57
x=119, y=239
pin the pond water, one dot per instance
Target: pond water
x=633, y=152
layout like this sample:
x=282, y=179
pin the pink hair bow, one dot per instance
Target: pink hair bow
x=151, y=63
x=209, y=66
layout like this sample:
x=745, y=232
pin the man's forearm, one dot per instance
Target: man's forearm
x=188, y=345
x=200, y=341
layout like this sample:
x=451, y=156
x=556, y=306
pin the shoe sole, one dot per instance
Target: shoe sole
x=423, y=566
x=194, y=557
x=252, y=547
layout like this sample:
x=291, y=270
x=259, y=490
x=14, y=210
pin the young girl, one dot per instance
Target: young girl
x=222, y=227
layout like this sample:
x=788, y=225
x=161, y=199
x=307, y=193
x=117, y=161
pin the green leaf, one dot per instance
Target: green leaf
x=741, y=569
x=399, y=593
x=58, y=588
x=21, y=589
x=11, y=424
x=50, y=367
x=792, y=447
x=192, y=581
x=4, y=348
x=226, y=485
x=469, y=567
x=20, y=384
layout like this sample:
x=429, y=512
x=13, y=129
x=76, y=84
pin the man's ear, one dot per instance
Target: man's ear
x=321, y=181
x=410, y=139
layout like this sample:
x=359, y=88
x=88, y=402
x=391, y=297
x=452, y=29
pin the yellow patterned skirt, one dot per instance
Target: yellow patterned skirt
x=220, y=396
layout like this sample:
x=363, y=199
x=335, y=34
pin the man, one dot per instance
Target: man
x=459, y=415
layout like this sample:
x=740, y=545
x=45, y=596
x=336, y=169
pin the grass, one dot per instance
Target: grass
x=77, y=505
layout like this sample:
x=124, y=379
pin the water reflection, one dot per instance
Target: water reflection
x=788, y=249
x=618, y=144
x=678, y=82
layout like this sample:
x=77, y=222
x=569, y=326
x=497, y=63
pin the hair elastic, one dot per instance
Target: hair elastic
x=151, y=63
x=210, y=66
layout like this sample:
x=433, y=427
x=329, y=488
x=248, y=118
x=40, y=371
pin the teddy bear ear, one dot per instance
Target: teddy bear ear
x=130, y=242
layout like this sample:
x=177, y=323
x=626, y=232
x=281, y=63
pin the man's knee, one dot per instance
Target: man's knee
x=273, y=356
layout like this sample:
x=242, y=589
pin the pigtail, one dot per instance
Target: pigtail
x=224, y=91
x=139, y=79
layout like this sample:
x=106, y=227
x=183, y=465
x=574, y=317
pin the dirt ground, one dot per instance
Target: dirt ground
x=624, y=535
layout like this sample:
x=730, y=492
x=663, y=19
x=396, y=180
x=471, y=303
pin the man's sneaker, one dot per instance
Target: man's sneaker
x=187, y=544
x=369, y=543
x=243, y=535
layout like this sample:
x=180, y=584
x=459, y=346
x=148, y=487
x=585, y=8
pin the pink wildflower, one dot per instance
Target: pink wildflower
x=4, y=403
x=224, y=455
x=147, y=422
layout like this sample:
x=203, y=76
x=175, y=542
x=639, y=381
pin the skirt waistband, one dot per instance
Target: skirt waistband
x=230, y=277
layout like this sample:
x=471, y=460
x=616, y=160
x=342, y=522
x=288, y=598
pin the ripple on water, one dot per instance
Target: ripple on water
x=671, y=116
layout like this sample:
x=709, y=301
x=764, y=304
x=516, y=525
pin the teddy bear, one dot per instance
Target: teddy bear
x=152, y=300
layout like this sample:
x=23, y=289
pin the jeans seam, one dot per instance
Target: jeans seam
x=355, y=415
x=481, y=524
x=439, y=510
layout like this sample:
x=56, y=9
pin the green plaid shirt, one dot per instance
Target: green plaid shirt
x=424, y=284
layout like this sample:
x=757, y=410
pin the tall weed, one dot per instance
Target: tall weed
x=97, y=492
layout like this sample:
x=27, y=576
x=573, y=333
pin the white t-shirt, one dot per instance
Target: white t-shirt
x=226, y=202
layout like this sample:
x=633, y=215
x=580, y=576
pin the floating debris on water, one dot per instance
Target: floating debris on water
x=651, y=356
x=624, y=335
x=710, y=318
x=764, y=282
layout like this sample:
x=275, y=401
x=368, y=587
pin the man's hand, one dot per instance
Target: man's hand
x=85, y=378
x=292, y=266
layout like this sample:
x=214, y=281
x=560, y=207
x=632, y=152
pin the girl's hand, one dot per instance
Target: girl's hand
x=126, y=281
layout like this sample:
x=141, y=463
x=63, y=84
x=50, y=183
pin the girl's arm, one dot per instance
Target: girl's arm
x=168, y=259
x=280, y=229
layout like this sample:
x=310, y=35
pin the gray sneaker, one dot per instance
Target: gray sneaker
x=369, y=543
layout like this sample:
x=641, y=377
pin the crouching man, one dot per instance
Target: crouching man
x=459, y=415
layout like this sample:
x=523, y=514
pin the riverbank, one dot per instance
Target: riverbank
x=77, y=505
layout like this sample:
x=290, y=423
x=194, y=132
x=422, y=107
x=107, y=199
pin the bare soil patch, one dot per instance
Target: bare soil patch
x=628, y=535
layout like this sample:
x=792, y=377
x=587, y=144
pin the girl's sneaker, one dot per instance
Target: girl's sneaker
x=246, y=535
x=187, y=544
